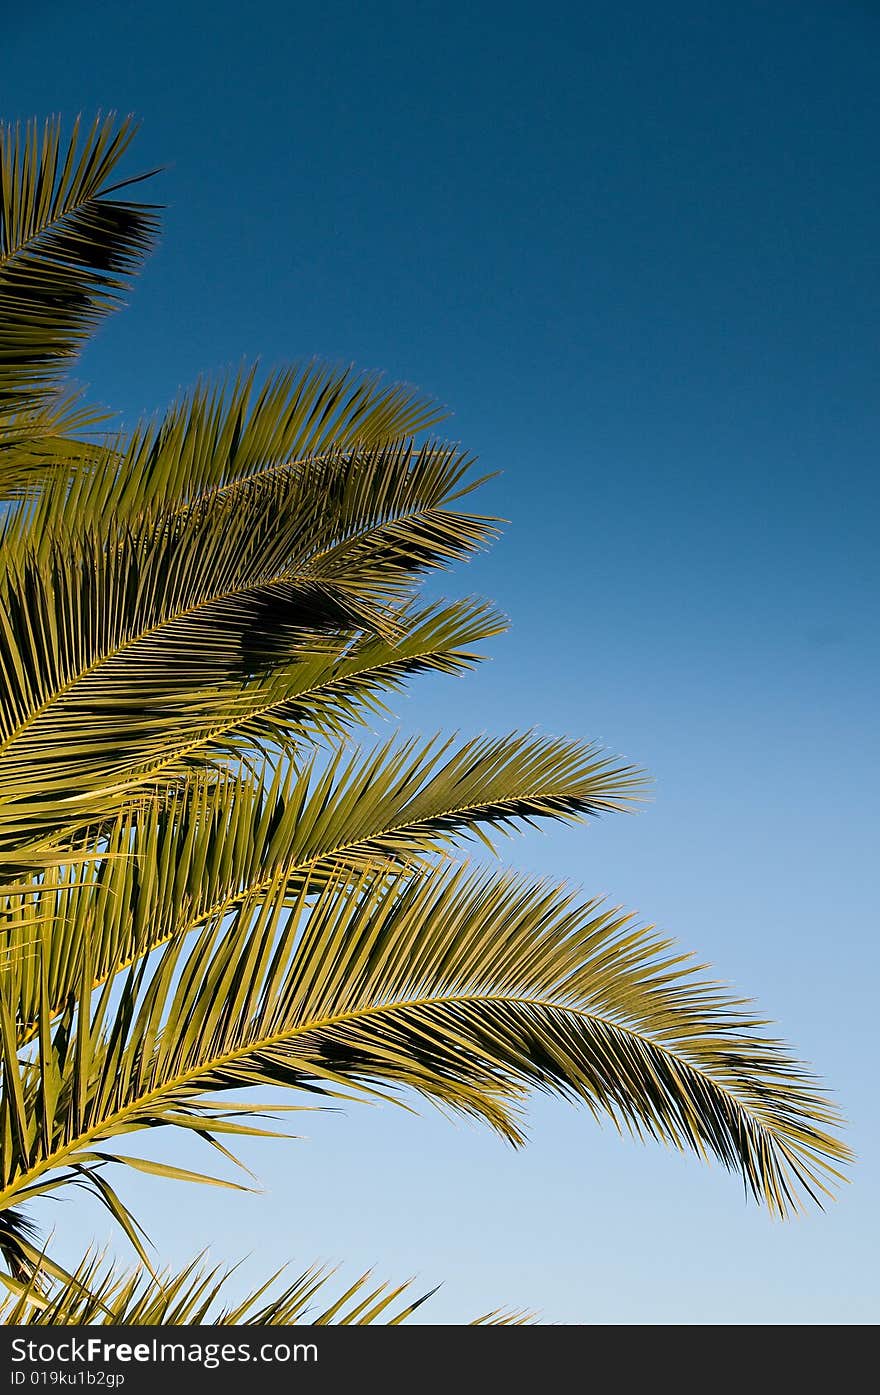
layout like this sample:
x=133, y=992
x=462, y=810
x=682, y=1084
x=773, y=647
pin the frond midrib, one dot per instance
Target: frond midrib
x=230, y=903
x=120, y=1116
x=145, y=775
x=70, y=211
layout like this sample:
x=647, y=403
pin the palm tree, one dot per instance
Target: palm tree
x=206, y=884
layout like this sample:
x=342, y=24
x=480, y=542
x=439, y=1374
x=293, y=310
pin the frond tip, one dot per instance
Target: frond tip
x=566, y=998
x=67, y=248
x=470, y=988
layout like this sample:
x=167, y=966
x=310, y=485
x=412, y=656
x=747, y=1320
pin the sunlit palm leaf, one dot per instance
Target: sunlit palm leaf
x=317, y=695
x=202, y=855
x=101, y=1294
x=218, y=438
x=469, y=988
x=37, y=447
x=113, y=657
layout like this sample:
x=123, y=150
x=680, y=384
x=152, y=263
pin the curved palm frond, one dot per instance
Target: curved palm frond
x=203, y=889
x=470, y=988
x=68, y=248
x=219, y=438
x=200, y=856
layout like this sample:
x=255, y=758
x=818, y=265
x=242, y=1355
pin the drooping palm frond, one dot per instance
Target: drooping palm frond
x=68, y=248
x=470, y=988
x=201, y=855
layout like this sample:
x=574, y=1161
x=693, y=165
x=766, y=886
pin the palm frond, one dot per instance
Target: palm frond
x=99, y=1293
x=470, y=988
x=200, y=856
x=109, y=654
x=68, y=248
x=18, y=1237
x=318, y=695
x=506, y=1317
x=38, y=446
x=221, y=438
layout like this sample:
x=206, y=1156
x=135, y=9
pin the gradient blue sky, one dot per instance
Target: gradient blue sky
x=635, y=249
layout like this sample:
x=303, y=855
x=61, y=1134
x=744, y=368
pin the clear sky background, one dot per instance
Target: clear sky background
x=635, y=248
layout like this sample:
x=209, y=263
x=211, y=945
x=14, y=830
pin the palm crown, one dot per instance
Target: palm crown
x=207, y=885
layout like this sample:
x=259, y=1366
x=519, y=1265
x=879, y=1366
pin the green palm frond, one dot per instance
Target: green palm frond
x=342, y=687
x=101, y=1294
x=203, y=887
x=214, y=846
x=115, y=655
x=39, y=446
x=68, y=248
x=470, y=988
x=218, y=438
x=316, y=696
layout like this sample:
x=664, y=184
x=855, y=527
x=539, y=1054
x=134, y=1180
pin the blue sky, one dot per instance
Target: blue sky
x=634, y=248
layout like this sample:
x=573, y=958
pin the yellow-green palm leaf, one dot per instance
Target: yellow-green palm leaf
x=101, y=1294
x=68, y=247
x=470, y=988
x=204, y=888
x=216, y=845
x=123, y=655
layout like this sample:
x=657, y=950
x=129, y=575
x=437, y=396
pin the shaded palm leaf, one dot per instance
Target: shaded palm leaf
x=18, y=1238
x=68, y=247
